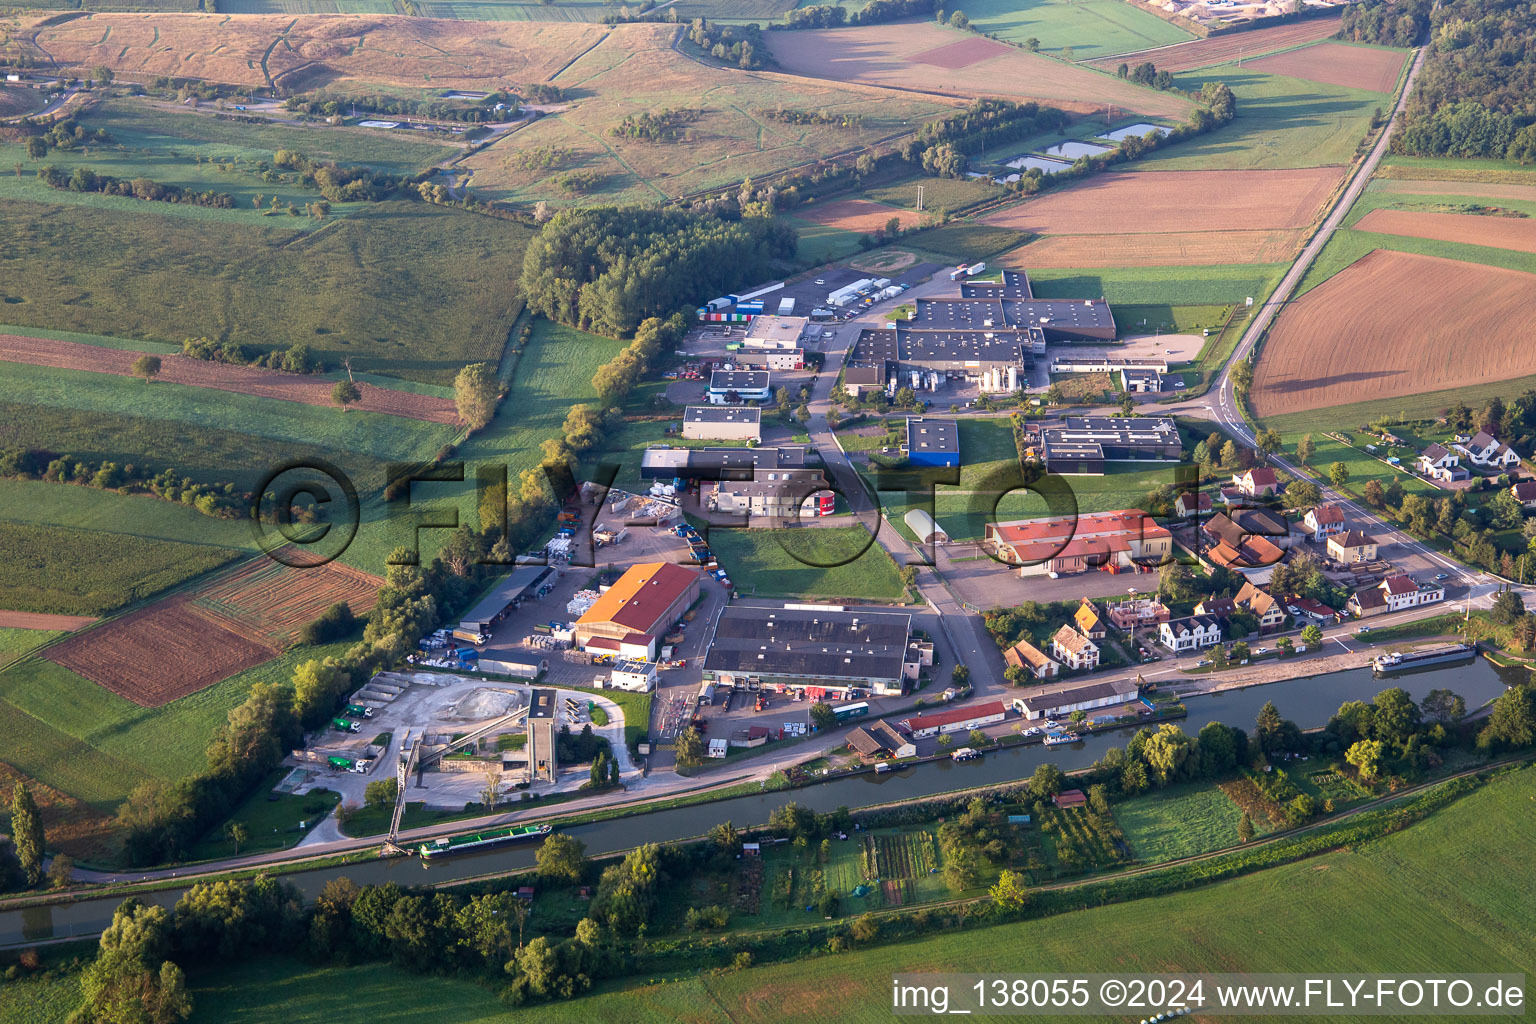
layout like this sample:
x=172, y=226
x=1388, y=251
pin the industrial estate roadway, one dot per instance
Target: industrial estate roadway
x=962, y=626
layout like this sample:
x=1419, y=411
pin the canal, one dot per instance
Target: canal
x=1309, y=702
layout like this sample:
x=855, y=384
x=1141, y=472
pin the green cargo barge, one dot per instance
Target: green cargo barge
x=480, y=840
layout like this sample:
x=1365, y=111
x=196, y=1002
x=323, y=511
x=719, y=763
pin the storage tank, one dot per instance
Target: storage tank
x=916, y=380
x=1013, y=378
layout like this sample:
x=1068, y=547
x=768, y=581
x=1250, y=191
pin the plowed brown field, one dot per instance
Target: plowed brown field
x=159, y=653
x=1517, y=233
x=1423, y=187
x=902, y=56
x=314, y=50
x=1203, y=53
x=247, y=380
x=858, y=215
x=1354, y=67
x=1175, y=201
x=1174, y=248
x=41, y=620
x=270, y=601
x=1394, y=324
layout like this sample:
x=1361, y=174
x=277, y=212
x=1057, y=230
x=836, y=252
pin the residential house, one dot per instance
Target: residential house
x=1190, y=633
x=1259, y=482
x=1525, y=493
x=1403, y=591
x=1222, y=608
x=1323, y=522
x=879, y=740
x=1311, y=610
x=1069, y=798
x=1074, y=650
x=1352, y=546
x=1118, y=541
x=1143, y=611
x=1440, y=463
x=1187, y=506
x=1088, y=622
x=1239, y=525
x=1366, y=602
x=1031, y=659
x=1262, y=606
x=1485, y=450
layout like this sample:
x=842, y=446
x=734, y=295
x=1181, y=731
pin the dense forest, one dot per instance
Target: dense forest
x=1476, y=96
x=607, y=269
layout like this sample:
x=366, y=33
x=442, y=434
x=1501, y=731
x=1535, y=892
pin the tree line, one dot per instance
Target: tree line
x=832, y=16
x=323, y=104
x=220, y=500
x=83, y=179
x=608, y=269
x=296, y=358
x=1473, y=96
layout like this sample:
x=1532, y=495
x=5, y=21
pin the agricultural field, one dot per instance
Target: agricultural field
x=1371, y=68
x=17, y=102
x=1457, y=189
x=727, y=134
x=1281, y=123
x=1203, y=53
x=1517, y=233
x=401, y=289
x=1167, y=249
x=772, y=563
x=1092, y=29
x=1441, y=168
x=1172, y=286
x=1411, y=901
x=202, y=373
x=938, y=193
x=965, y=241
x=1418, y=322
x=64, y=571
x=924, y=57
x=18, y=640
x=300, y=52
x=858, y=215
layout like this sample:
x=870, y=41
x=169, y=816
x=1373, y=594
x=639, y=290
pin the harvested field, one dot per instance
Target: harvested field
x=269, y=601
x=908, y=55
x=1354, y=67
x=39, y=620
x=1175, y=201
x=1414, y=323
x=72, y=826
x=316, y=50
x=1204, y=53
x=1170, y=249
x=1517, y=233
x=245, y=380
x=159, y=653
x=1427, y=187
x=962, y=54
x=859, y=215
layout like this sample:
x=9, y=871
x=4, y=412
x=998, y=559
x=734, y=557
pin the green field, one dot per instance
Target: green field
x=1281, y=122
x=79, y=572
x=1091, y=28
x=1448, y=894
x=1158, y=286
x=276, y=820
x=1348, y=419
x=772, y=563
x=957, y=241
x=403, y=289
x=97, y=511
x=1179, y=822
x=822, y=243
x=938, y=193
x=16, y=642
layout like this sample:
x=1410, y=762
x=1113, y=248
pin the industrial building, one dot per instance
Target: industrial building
x=542, y=762
x=730, y=386
x=823, y=651
x=631, y=615
x=1126, y=540
x=505, y=597
x=861, y=380
x=932, y=442
x=717, y=463
x=635, y=676
x=1083, y=697
x=1083, y=444
x=780, y=494
x=522, y=664
x=776, y=332
x=722, y=423
x=771, y=359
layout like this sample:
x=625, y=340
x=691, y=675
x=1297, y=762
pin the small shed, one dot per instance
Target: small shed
x=922, y=524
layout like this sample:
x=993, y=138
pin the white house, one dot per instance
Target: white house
x=1259, y=482
x=1190, y=633
x=1440, y=463
x=730, y=386
x=1074, y=650
x=1323, y=522
x=1485, y=450
x=1403, y=591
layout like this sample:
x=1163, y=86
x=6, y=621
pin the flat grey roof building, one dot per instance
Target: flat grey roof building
x=809, y=643
x=717, y=463
x=512, y=587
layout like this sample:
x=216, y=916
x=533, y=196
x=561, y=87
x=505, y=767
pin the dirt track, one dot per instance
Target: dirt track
x=41, y=620
x=1517, y=233
x=1397, y=324
x=1354, y=67
x=245, y=380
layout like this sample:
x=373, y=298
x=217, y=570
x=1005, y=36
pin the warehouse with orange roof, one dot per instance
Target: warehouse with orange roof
x=632, y=615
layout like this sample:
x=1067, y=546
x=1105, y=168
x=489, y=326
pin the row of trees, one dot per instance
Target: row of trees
x=608, y=269
x=337, y=183
x=296, y=358
x=833, y=16
x=220, y=500
x=741, y=45
x=323, y=104
x=83, y=179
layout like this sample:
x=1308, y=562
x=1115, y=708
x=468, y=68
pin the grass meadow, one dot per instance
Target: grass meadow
x=1157, y=286
x=1179, y=822
x=402, y=289
x=1281, y=122
x=772, y=563
x=1445, y=895
x=1089, y=28
x=16, y=642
